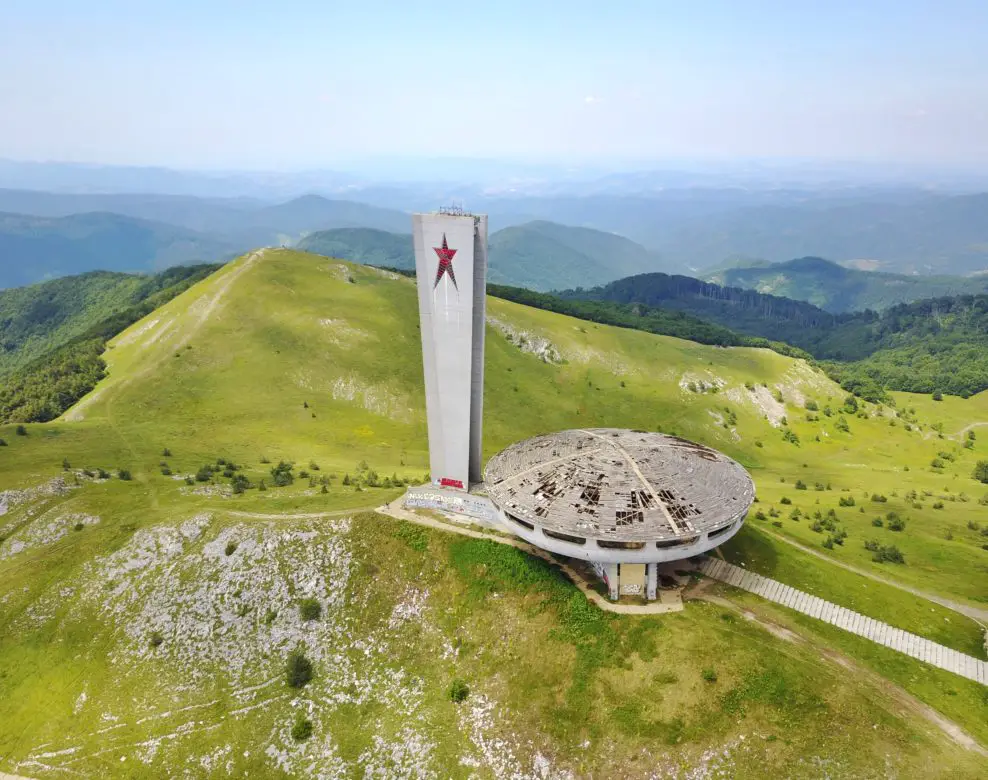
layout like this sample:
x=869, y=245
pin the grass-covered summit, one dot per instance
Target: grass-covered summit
x=162, y=612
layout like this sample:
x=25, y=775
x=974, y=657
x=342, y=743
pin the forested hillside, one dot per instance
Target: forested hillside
x=537, y=255
x=939, y=344
x=362, y=245
x=42, y=317
x=43, y=388
x=838, y=289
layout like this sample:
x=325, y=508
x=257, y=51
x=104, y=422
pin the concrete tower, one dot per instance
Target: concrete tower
x=451, y=269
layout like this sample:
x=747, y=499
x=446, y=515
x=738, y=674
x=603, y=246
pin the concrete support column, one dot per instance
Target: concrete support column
x=612, y=579
x=651, y=581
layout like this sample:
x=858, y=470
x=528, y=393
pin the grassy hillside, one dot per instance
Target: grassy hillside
x=63, y=327
x=154, y=638
x=837, y=289
x=36, y=248
x=41, y=317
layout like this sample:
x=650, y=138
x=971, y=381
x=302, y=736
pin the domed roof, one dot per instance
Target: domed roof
x=610, y=483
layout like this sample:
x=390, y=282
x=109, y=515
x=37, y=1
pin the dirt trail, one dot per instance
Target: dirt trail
x=892, y=691
x=75, y=414
x=977, y=614
x=963, y=431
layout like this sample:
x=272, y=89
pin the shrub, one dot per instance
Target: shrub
x=878, y=498
x=205, y=474
x=811, y=406
x=937, y=463
x=124, y=474
x=298, y=670
x=981, y=471
x=65, y=464
x=800, y=485
x=829, y=543
x=78, y=526
x=156, y=639
x=785, y=500
x=166, y=471
x=777, y=523
x=846, y=501
x=166, y=453
x=878, y=522
x=841, y=424
x=189, y=481
x=20, y=430
x=3, y=442
x=301, y=728
x=231, y=548
x=890, y=554
x=760, y=515
x=895, y=523
x=937, y=395
x=938, y=504
x=791, y=436
x=309, y=609
x=282, y=474
x=240, y=483
x=458, y=690
x=709, y=675
x=972, y=525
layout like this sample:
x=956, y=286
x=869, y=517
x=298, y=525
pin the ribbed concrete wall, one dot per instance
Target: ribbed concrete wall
x=882, y=633
x=477, y=362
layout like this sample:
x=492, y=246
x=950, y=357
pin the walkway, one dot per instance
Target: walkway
x=894, y=638
x=978, y=614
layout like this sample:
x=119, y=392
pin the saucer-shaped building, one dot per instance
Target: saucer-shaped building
x=623, y=500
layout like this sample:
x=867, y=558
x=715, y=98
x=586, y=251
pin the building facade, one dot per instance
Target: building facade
x=451, y=271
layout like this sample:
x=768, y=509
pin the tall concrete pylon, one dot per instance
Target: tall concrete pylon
x=451, y=271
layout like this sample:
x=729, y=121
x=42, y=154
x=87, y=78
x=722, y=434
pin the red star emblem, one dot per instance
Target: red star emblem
x=445, y=264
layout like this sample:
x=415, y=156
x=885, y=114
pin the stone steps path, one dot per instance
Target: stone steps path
x=901, y=641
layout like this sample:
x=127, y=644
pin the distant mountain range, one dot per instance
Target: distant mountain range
x=538, y=255
x=50, y=234
x=35, y=248
x=682, y=230
x=930, y=235
x=838, y=289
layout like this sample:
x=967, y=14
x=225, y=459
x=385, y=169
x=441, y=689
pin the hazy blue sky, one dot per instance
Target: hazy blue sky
x=216, y=83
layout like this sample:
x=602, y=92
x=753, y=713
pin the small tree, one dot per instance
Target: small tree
x=937, y=395
x=166, y=453
x=981, y=471
x=458, y=690
x=125, y=475
x=20, y=430
x=298, y=669
x=302, y=728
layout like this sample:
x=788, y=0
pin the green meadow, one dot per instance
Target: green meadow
x=154, y=558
